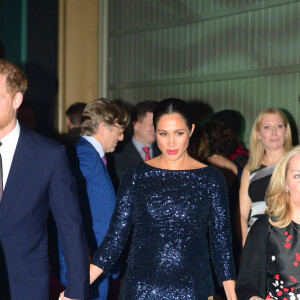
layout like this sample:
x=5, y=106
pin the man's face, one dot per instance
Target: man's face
x=112, y=134
x=8, y=107
x=143, y=129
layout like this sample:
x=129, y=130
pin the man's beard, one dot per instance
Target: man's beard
x=6, y=119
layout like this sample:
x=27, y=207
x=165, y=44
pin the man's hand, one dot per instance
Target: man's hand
x=62, y=297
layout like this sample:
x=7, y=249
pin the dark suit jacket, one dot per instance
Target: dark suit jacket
x=39, y=179
x=97, y=195
x=252, y=277
x=128, y=157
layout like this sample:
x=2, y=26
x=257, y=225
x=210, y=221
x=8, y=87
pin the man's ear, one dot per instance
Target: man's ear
x=18, y=99
x=100, y=129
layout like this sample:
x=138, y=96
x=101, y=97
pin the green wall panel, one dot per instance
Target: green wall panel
x=242, y=55
x=13, y=30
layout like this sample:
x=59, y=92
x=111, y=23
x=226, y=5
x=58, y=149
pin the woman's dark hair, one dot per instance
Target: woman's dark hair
x=173, y=106
x=222, y=139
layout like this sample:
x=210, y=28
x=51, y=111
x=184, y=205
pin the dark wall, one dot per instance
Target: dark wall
x=41, y=65
x=10, y=30
x=40, y=62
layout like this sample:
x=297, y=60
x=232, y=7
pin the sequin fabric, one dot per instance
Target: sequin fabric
x=180, y=219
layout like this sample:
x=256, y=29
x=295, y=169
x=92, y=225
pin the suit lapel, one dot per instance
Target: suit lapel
x=135, y=155
x=88, y=144
x=20, y=167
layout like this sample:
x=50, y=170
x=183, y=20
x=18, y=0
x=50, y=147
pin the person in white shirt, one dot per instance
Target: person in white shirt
x=36, y=178
x=142, y=146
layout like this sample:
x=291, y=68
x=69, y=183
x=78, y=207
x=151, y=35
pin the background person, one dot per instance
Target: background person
x=234, y=120
x=218, y=141
x=270, y=260
x=270, y=138
x=102, y=126
x=142, y=146
x=73, y=119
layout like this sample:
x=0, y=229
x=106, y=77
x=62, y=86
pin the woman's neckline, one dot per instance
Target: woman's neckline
x=297, y=224
x=178, y=170
x=262, y=165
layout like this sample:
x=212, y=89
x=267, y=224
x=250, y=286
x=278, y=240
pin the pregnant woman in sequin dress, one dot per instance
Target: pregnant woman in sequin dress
x=179, y=210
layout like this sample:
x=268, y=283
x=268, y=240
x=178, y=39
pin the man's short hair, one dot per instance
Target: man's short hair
x=142, y=108
x=16, y=80
x=74, y=112
x=102, y=110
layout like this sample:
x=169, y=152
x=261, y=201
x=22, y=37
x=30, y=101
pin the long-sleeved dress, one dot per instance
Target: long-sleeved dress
x=181, y=222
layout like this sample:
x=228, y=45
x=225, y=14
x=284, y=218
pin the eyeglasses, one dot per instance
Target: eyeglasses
x=120, y=128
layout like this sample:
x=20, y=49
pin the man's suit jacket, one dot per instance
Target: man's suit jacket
x=129, y=156
x=96, y=192
x=97, y=203
x=39, y=179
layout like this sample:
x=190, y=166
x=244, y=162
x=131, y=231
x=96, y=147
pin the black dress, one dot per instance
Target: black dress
x=270, y=264
x=283, y=262
x=174, y=213
x=258, y=184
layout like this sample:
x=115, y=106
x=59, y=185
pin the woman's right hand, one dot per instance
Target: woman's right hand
x=95, y=272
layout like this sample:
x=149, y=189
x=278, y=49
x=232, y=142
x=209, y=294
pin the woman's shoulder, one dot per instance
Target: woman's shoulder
x=260, y=226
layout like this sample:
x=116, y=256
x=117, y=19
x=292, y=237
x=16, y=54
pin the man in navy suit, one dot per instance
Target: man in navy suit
x=102, y=126
x=142, y=146
x=35, y=178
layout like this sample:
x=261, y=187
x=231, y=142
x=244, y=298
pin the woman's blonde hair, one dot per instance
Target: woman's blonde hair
x=257, y=149
x=277, y=196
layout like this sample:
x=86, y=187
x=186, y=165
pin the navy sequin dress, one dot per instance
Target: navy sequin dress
x=175, y=214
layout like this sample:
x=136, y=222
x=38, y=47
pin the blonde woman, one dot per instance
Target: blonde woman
x=270, y=266
x=270, y=139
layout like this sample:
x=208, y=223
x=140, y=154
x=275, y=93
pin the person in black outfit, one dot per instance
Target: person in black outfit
x=73, y=119
x=270, y=265
x=142, y=146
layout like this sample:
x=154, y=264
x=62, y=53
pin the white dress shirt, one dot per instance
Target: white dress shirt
x=96, y=144
x=139, y=147
x=7, y=150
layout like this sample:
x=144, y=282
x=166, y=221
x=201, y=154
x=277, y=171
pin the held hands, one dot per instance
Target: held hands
x=95, y=272
x=62, y=297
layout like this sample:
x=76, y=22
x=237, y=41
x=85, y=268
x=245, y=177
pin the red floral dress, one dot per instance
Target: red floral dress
x=283, y=263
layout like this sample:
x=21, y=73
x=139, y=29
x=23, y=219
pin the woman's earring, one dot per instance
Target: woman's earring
x=287, y=190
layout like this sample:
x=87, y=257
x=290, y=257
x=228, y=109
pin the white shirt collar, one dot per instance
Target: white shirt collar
x=139, y=147
x=138, y=144
x=7, y=150
x=11, y=139
x=96, y=144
